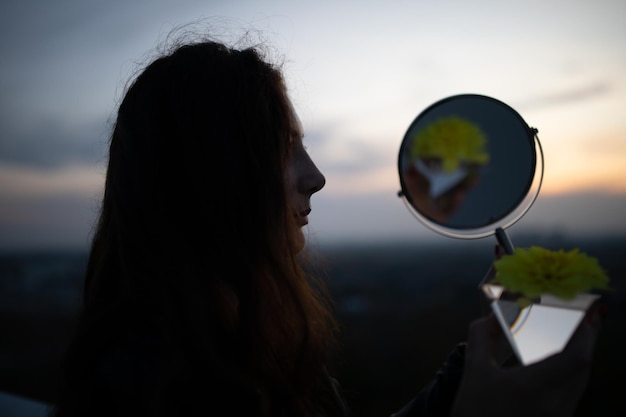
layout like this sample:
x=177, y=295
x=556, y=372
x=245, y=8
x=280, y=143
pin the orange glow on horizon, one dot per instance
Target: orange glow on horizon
x=586, y=164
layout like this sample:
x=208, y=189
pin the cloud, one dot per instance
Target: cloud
x=356, y=157
x=340, y=154
x=24, y=182
x=51, y=144
x=582, y=93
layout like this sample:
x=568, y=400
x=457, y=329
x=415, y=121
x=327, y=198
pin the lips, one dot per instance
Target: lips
x=302, y=217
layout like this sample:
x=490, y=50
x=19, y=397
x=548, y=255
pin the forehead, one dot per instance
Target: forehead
x=296, y=130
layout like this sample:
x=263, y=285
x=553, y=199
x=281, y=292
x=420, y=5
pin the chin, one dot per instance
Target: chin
x=299, y=241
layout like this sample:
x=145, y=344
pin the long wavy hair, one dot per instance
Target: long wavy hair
x=195, y=299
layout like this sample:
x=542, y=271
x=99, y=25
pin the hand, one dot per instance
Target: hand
x=551, y=387
x=442, y=208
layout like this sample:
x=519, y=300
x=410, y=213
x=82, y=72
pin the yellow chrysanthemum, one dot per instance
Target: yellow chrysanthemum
x=453, y=140
x=536, y=271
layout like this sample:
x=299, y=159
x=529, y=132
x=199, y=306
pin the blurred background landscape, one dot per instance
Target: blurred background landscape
x=402, y=307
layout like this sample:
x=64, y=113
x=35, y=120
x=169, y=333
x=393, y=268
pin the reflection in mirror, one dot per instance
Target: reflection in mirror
x=445, y=158
x=467, y=164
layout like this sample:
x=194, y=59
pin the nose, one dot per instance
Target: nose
x=312, y=180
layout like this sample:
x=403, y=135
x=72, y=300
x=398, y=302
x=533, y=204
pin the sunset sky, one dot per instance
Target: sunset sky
x=358, y=73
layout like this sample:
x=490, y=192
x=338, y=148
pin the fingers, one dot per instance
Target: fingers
x=583, y=341
x=483, y=333
x=552, y=386
x=499, y=251
x=491, y=273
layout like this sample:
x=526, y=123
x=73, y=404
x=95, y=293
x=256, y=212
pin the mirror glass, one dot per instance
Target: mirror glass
x=542, y=328
x=468, y=164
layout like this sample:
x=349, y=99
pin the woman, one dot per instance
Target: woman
x=195, y=298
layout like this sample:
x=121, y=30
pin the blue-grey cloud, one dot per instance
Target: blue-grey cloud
x=364, y=155
x=364, y=158
x=584, y=92
x=50, y=145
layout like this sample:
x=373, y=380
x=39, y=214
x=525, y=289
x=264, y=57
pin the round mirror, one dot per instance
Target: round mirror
x=469, y=165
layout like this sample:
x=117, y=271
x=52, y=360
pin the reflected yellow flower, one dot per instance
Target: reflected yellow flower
x=452, y=140
x=537, y=270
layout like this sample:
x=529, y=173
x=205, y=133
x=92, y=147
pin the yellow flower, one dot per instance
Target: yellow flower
x=452, y=140
x=536, y=271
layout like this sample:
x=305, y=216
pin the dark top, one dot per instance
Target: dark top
x=436, y=398
x=129, y=372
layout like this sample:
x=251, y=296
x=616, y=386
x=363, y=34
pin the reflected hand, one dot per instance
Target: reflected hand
x=551, y=387
x=442, y=208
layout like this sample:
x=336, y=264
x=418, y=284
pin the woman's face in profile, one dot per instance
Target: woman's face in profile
x=302, y=177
